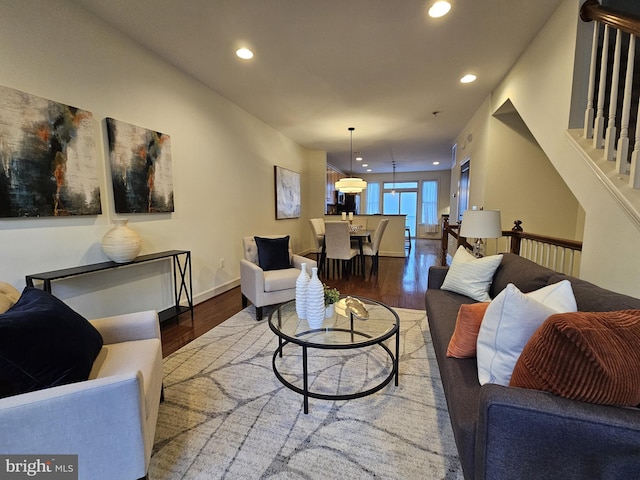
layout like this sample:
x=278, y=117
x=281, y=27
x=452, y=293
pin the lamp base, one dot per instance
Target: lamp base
x=478, y=248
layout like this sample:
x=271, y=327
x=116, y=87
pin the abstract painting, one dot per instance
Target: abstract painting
x=48, y=164
x=141, y=170
x=287, y=193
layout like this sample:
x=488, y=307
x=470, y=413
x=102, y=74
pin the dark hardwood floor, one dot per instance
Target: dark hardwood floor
x=400, y=282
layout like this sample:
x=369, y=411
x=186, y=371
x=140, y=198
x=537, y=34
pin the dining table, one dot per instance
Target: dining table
x=356, y=233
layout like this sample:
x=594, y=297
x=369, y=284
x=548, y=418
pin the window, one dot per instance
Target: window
x=373, y=198
x=430, y=202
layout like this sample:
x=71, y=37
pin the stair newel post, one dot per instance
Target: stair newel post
x=589, y=112
x=444, y=243
x=610, y=137
x=515, y=237
x=598, y=130
x=623, y=142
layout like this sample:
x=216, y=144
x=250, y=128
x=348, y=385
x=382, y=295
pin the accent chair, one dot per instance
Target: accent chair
x=262, y=284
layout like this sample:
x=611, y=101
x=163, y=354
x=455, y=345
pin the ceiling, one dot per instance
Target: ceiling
x=381, y=66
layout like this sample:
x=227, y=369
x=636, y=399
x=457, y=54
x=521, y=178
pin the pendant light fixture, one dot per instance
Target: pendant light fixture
x=393, y=190
x=351, y=184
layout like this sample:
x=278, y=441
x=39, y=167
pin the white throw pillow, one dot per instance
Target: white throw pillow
x=471, y=276
x=510, y=321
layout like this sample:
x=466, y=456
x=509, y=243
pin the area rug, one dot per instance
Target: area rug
x=227, y=416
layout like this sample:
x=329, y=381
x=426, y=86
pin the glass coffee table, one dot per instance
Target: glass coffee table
x=342, y=331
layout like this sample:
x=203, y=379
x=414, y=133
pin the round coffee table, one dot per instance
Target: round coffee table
x=339, y=332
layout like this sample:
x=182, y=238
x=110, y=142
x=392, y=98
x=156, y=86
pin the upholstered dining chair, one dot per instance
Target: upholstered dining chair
x=338, y=246
x=317, y=229
x=269, y=270
x=372, y=249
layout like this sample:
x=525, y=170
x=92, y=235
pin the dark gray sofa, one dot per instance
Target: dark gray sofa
x=515, y=434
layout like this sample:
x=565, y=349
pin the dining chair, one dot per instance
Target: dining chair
x=373, y=248
x=338, y=246
x=317, y=228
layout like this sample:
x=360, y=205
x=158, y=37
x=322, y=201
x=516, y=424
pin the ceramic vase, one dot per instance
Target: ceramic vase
x=301, y=292
x=330, y=310
x=315, y=300
x=121, y=244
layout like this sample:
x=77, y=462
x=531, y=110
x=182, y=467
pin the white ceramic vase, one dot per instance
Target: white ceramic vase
x=330, y=310
x=301, y=292
x=121, y=244
x=315, y=300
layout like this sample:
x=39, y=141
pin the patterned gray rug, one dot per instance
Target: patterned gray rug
x=225, y=414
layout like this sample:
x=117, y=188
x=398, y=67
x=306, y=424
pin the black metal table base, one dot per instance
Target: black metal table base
x=306, y=393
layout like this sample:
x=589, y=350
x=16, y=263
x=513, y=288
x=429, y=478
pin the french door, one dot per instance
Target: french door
x=402, y=200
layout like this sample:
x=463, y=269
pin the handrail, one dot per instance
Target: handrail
x=592, y=10
x=555, y=241
x=516, y=236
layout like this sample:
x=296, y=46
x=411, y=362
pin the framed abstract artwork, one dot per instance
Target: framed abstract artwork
x=141, y=170
x=48, y=161
x=287, y=186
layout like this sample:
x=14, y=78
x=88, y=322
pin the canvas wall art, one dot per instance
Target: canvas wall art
x=141, y=170
x=287, y=193
x=48, y=161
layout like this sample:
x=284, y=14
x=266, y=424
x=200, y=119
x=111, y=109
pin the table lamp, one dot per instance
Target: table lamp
x=480, y=224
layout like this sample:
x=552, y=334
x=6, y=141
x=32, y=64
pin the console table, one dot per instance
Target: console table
x=181, y=278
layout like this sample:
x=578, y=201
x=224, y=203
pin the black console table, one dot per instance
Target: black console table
x=181, y=278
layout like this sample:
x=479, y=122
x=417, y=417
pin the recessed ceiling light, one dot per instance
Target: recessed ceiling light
x=358, y=159
x=365, y=164
x=439, y=9
x=436, y=163
x=244, y=53
x=468, y=78
x=368, y=169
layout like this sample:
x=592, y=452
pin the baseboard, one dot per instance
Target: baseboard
x=388, y=253
x=214, y=292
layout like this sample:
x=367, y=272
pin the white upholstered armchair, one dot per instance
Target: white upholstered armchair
x=269, y=286
x=109, y=420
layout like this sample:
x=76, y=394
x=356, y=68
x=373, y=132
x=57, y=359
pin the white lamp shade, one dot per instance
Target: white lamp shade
x=351, y=185
x=481, y=224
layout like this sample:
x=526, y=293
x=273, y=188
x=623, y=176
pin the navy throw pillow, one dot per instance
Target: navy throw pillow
x=44, y=343
x=273, y=253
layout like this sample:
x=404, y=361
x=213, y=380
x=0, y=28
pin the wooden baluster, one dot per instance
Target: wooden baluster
x=610, y=137
x=547, y=254
x=588, y=114
x=634, y=174
x=623, y=141
x=598, y=131
x=570, y=269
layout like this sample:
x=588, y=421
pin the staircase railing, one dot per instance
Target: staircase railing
x=603, y=123
x=559, y=254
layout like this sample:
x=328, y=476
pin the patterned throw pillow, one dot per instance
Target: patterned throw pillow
x=471, y=276
x=588, y=356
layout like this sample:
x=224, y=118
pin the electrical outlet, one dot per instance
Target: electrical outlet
x=222, y=263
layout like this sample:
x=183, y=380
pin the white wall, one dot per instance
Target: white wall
x=223, y=162
x=540, y=87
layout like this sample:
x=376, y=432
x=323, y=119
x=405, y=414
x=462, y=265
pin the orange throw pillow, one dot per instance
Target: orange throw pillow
x=588, y=356
x=465, y=335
